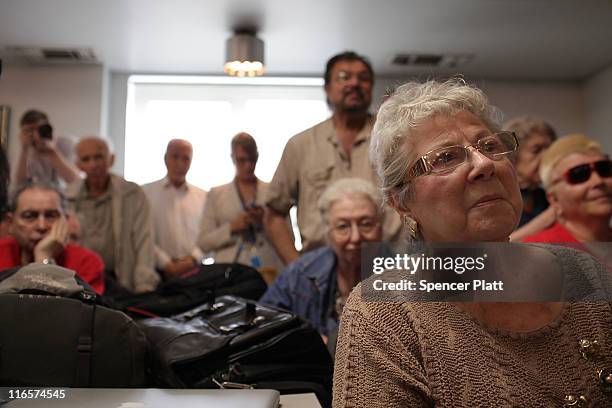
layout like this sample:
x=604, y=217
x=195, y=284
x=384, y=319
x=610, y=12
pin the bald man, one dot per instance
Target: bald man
x=176, y=207
x=115, y=218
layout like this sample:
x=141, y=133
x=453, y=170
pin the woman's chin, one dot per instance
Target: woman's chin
x=601, y=208
x=495, y=231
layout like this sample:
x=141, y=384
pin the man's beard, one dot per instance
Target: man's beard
x=356, y=107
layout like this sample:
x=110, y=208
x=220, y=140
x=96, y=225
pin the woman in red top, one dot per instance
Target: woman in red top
x=577, y=177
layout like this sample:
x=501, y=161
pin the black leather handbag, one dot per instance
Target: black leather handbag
x=236, y=343
x=184, y=293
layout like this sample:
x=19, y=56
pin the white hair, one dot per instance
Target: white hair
x=410, y=106
x=348, y=186
x=105, y=140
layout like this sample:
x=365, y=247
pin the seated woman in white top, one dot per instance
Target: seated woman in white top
x=231, y=225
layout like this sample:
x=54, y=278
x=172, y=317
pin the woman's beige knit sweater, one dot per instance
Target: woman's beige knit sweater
x=434, y=354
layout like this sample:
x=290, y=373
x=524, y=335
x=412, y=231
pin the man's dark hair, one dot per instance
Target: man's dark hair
x=346, y=56
x=33, y=117
x=36, y=185
x=4, y=182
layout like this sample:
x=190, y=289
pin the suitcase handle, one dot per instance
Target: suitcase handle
x=251, y=320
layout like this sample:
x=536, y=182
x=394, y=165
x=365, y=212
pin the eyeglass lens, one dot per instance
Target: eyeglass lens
x=491, y=146
x=364, y=226
x=345, y=76
x=244, y=160
x=31, y=216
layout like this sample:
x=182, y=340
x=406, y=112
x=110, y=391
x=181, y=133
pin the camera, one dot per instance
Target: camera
x=46, y=132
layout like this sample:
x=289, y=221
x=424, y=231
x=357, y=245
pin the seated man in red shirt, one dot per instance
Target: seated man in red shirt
x=39, y=233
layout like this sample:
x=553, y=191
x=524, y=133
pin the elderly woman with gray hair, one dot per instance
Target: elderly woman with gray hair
x=534, y=135
x=317, y=285
x=446, y=168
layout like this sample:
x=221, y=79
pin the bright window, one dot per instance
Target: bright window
x=209, y=111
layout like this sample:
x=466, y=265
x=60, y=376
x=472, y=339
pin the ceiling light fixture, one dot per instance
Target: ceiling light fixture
x=244, y=54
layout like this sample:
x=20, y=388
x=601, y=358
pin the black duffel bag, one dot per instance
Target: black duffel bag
x=55, y=332
x=233, y=343
x=186, y=292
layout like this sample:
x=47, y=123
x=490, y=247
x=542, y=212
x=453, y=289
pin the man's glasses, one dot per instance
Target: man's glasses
x=345, y=76
x=32, y=216
x=581, y=173
x=343, y=228
x=494, y=146
x=244, y=160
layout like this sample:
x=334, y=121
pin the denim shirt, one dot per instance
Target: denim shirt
x=307, y=288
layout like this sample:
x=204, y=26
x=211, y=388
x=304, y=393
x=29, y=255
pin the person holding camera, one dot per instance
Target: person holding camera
x=231, y=225
x=43, y=158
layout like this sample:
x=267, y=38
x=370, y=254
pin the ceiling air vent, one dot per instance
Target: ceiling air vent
x=427, y=60
x=402, y=59
x=431, y=60
x=39, y=55
x=81, y=55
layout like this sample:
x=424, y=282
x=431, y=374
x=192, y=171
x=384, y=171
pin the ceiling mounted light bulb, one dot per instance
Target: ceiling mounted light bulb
x=244, y=55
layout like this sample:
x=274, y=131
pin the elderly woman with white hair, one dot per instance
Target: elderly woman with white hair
x=446, y=168
x=317, y=285
x=577, y=176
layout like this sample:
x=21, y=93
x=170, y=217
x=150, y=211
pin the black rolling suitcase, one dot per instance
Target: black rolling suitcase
x=54, y=332
x=184, y=293
x=236, y=343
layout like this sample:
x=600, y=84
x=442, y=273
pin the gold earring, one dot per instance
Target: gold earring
x=413, y=227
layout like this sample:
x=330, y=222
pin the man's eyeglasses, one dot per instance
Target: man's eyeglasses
x=345, y=76
x=244, y=160
x=581, y=173
x=494, y=146
x=343, y=228
x=32, y=216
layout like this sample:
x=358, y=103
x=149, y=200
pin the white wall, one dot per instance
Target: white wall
x=559, y=103
x=598, y=108
x=117, y=100
x=70, y=95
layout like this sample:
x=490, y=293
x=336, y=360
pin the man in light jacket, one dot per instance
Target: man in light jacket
x=115, y=218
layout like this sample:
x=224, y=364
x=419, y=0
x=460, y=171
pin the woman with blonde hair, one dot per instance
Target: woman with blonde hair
x=577, y=176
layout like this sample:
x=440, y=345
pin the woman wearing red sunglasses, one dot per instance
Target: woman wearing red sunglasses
x=577, y=177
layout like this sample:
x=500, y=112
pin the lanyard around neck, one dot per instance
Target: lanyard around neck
x=245, y=205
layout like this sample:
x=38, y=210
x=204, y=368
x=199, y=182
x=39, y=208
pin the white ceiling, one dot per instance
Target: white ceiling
x=513, y=39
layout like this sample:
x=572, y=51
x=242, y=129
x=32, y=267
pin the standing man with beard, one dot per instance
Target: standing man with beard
x=333, y=149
